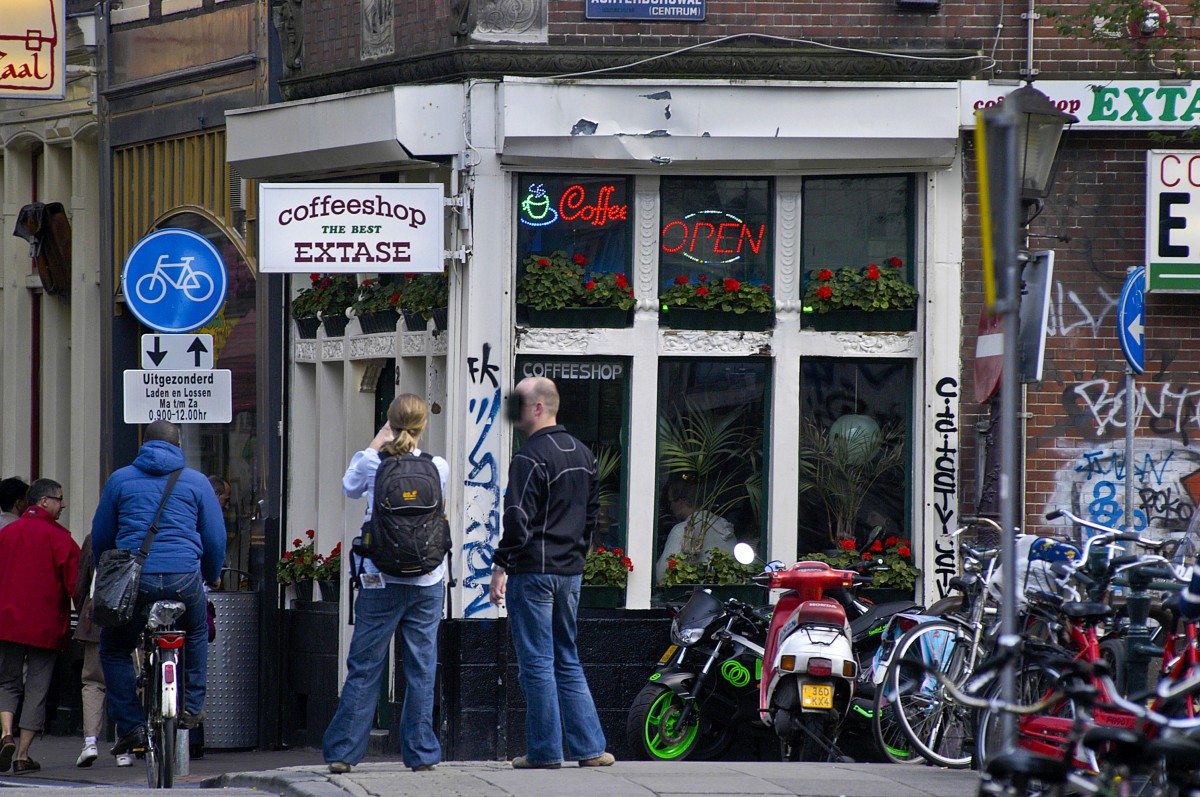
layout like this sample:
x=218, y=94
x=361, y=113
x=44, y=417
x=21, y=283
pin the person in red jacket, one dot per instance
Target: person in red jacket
x=39, y=563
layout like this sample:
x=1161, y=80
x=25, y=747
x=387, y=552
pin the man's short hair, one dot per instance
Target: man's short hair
x=12, y=489
x=162, y=430
x=43, y=488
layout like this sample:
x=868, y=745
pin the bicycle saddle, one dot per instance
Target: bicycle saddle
x=165, y=613
x=1086, y=610
x=1022, y=764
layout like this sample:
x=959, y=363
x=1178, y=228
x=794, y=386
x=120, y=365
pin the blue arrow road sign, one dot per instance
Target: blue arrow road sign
x=174, y=280
x=1131, y=319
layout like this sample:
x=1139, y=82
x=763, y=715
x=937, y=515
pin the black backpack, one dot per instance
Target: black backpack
x=408, y=533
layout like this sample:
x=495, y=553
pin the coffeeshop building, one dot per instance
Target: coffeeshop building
x=683, y=190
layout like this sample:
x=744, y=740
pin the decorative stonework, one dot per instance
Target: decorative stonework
x=877, y=342
x=306, y=351
x=365, y=347
x=697, y=342
x=440, y=344
x=378, y=29
x=787, y=255
x=414, y=344
x=333, y=349
x=544, y=341
x=510, y=21
x=646, y=250
x=288, y=19
x=370, y=377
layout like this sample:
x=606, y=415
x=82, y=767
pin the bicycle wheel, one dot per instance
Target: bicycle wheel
x=1033, y=682
x=155, y=288
x=889, y=737
x=936, y=726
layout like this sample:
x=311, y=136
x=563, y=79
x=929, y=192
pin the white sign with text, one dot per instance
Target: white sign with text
x=179, y=396
x=350, y=228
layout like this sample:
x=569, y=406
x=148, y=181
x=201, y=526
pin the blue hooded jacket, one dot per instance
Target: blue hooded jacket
x=191, y=531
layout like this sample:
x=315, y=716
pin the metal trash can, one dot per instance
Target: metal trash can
x=231, y=704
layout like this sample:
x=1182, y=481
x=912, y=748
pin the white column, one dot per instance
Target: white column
x=15, y=358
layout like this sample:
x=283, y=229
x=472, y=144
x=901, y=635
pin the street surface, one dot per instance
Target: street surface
x=301, y=773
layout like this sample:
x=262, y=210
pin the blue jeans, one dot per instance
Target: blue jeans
x=541, y=611
x=377, y=612
x=117, y=645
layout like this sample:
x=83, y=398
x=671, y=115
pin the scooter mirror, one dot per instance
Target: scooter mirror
x=744, y=553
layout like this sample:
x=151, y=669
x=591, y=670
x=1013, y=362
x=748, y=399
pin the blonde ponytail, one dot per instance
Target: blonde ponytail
x=407, y=415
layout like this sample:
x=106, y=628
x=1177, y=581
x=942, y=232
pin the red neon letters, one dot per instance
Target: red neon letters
x=573, y=206
x=703, y=239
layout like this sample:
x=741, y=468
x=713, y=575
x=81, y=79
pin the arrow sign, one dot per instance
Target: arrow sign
x=177, y=352
x=1131, y=320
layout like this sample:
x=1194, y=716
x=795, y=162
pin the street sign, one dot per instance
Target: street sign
x=1036, y=278
x=179, y=396
x=174, y=280
x=1131, y=319
x=177, y=352
x=1173, y=221
x=989, y=355
x=33, y=49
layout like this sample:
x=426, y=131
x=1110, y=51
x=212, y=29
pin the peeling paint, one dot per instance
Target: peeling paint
x=660, y=133
x=584, y=127
x=667, y=113
x=658, y=95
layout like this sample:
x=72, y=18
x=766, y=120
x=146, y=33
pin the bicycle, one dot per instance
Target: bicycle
x=189, y=281
x=160, y=682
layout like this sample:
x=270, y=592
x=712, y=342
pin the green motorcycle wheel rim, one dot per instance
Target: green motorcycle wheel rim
x=663, y=739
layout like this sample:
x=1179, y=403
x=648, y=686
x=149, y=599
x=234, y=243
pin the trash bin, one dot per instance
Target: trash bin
x=231, y=704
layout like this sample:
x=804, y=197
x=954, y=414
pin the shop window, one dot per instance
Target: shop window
x=588, y=216
x=716, y=228
x=855, y=444
x=712, y=451
x=857, y=221
x=594, y=406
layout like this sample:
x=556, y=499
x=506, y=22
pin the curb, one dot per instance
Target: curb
x=290, y=784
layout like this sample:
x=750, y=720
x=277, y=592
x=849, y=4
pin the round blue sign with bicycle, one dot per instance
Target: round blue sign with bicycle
x=174, y=280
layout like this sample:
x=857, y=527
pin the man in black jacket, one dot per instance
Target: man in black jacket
x=550, y=510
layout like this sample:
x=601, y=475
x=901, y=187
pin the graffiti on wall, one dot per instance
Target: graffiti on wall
x=1166, y=481
x=481, y=499
x=941, y=560
x=1171, y=410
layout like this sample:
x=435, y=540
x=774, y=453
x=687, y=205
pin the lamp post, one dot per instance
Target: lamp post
x=1022, y=135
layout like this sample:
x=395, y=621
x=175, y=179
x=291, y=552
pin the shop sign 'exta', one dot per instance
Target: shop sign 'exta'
x=32, y=55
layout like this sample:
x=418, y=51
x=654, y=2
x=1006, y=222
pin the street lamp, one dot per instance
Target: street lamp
x=1023, y=134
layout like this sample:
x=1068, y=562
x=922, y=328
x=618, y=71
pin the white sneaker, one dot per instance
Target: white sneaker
x=88, y=756
x=124, y=760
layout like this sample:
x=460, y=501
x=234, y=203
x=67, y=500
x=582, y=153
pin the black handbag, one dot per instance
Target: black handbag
x=119, y=572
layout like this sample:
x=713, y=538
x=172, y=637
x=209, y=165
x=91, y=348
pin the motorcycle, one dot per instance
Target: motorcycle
x=809, y=669
x=705, y=686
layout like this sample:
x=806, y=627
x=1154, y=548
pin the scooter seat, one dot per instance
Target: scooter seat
x=822, y=611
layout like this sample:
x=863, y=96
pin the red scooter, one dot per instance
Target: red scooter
x=809, y=669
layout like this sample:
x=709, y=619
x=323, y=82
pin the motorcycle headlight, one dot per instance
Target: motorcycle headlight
x=685, y=637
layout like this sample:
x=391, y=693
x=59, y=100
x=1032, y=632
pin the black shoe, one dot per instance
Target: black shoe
x=132, y=743
x=188, y=720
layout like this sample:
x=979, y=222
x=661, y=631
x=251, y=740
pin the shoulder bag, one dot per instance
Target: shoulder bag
x=119, y=571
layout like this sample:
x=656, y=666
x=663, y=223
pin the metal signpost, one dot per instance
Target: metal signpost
x=1131, y=331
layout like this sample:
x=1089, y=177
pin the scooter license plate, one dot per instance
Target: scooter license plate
x=669, y=654
x=816, y=695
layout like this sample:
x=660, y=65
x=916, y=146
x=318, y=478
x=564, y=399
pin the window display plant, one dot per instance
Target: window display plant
x=867, y=289
x=727, y=295
x=718, y=567
x=374, y=296
x=308, y=301
x=329, y=568
x=559, y=280
x=896, y=555
x=300, y=563
x=424, y=293
x=607, y=568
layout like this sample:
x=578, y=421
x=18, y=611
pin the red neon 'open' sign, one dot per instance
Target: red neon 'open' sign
x=712, y=236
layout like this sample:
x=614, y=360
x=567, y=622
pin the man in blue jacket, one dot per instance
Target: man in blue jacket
x=188, y=550
x=550, y=510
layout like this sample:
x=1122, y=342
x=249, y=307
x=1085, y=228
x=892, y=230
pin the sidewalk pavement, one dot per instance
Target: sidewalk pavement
x=302, y=773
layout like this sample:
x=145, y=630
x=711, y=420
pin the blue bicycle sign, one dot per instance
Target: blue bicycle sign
x=174, y=280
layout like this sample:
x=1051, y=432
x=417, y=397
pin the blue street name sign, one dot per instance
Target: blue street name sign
x=1131, y=319
x=653, y=10
x=174, y=280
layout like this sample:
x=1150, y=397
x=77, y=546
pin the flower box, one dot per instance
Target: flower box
x=746, y=593
x=694, y=318
x=413, y=322
x=307, y=327
x=379, y=321
x=862, y=321
x=880, y=595
x=601, y=596
x=335, y=325
x=441, y=318
x=580, y=318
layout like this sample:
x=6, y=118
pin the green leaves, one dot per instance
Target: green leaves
x=719, y=567
x=873, y=287
x=558, y=280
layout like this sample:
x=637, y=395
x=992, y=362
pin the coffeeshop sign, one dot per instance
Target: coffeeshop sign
x=1099, y=105
x=32, y=51
x=350, y=227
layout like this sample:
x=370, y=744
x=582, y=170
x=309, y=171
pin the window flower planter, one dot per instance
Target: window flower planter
x=601, y=596
x=379, y=321
x=335, y=325
x=307, y=327
x=693, y=318
x=580, y=317
x=862, y=321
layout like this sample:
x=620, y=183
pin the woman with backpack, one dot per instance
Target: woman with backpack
x=413, y=603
